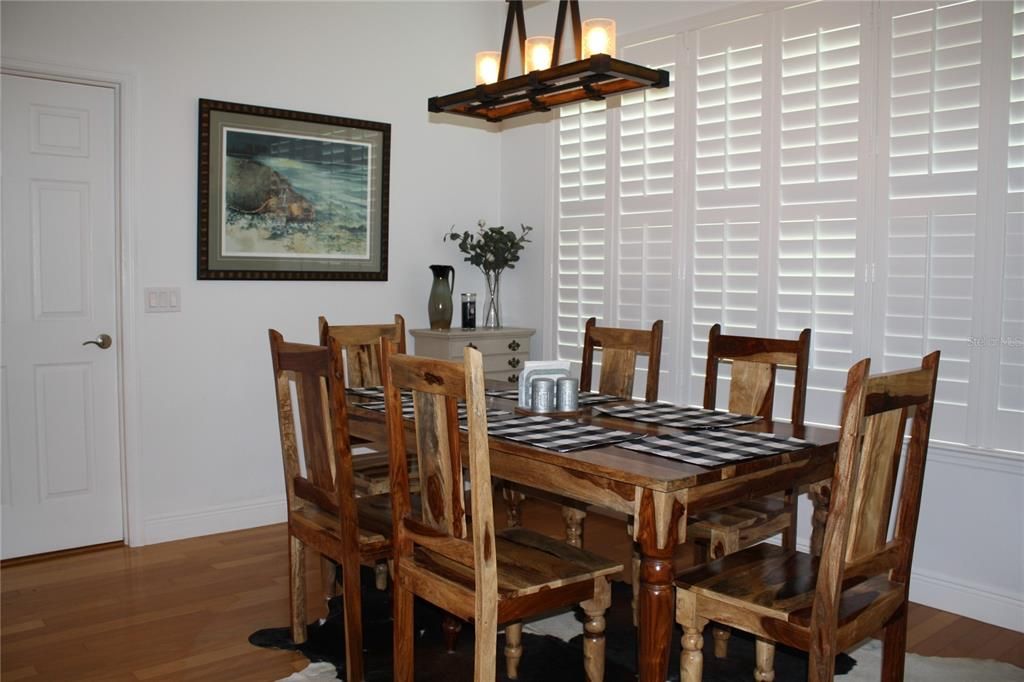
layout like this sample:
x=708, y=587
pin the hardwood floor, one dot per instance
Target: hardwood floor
x=184, y=610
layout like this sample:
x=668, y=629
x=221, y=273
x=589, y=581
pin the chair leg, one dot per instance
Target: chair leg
x=513, y=649
x=513, y=500
x=573, y=525
x=789, y=534
x=721, y=545
x=328, y=577
x=894, y=648
x=765, y=652
x=691, y=661
x=402, y=633
x=636, y=586
x=450, y=628
x=353, y=596
x=297, y=588
x=593, y=629
x=380, y=575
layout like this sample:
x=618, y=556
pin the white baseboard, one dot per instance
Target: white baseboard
x=1002, y=609
x=219, y=519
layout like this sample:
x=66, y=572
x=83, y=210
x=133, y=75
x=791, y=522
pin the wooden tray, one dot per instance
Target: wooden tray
x=531, y=413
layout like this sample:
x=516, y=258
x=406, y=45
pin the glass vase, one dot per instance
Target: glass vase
x=492, y=318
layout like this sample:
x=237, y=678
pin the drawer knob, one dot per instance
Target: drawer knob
x=513, y=378
x=513, y=363
x=470, y=345
x=514, y=346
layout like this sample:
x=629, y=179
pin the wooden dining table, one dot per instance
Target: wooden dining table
x=659, y=493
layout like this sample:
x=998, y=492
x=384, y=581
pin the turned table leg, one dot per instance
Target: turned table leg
x=657, y=520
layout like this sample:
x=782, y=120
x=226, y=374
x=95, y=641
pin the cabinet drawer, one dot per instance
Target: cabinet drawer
x=508, y=362
x=497, y=346
x=510, y=376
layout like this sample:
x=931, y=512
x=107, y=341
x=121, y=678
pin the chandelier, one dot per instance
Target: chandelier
x=545, y=83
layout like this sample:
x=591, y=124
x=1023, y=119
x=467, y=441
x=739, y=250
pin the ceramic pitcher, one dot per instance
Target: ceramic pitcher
x=439, y=305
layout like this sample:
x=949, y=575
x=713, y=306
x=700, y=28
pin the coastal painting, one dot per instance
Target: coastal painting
x=287, y=195
x=293, y=195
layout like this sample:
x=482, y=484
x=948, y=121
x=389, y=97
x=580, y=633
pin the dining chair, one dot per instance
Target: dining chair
x=619, y=348
x=464, y=565
x=755, y=362
x=360, y=344
x=860, y=583
x=323, y=511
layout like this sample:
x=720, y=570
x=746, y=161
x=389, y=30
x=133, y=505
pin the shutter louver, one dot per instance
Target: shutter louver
x=727, y=202
x=646, y=237
x=935, y=89
x=1010, y=403
x=819, y=190
x=582, y=250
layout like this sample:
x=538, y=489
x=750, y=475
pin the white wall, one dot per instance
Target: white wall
x=208, y=454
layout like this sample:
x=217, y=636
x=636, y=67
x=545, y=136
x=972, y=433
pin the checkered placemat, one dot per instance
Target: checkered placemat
x=715, y=448
x=369, y=392
x=506, y=393
x=586, y=398
x=408, y=410
x=667, y=414
x=559, y=435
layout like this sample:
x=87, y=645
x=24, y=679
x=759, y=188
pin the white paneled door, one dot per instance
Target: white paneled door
x=61, y=477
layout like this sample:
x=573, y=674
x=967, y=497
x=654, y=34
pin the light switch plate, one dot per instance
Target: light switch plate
x=163, y=299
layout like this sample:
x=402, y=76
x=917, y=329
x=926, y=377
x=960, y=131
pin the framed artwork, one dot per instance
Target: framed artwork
x=287, y=195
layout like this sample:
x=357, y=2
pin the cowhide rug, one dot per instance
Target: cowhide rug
x=552, y=650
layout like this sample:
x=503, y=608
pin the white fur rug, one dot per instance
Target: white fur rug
x=868, y=657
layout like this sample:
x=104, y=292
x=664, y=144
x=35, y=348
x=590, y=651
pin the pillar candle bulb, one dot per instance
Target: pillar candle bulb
x=598, y=37
x=487, y=67
x=538, y=53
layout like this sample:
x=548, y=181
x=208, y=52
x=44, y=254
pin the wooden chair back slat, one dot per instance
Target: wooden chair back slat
x=875, y=411
x=360, y=344
x=876, y=485
x=752, y=388
x=619, y=350
x=439, y=456
x=314, y=418
x=755, y=361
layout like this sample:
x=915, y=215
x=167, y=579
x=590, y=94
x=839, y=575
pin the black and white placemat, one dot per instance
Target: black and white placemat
x=588, y=398
x=505, y=393
x=715, y=448
x=374, y=392
x=559, y=435
x=585, y=397
x=408, y=409
x=676, y=416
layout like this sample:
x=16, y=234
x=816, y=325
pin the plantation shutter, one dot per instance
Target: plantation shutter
x=582, y=223
x=820, y=202
x=929, y=241
x=647, y=237
x=728, y=216
x=1010, y=400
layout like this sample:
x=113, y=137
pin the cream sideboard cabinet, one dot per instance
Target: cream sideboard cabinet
x=504, y=349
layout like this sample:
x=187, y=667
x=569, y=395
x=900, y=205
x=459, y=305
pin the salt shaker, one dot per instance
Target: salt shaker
x=568, y=398
x=542, y=395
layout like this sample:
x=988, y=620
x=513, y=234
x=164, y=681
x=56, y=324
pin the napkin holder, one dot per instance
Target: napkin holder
x=532, y=369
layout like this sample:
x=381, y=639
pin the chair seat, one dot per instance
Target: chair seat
x=370, y=471
x=374, y=521
x=739, y=516
x=779, y=584
x=528, y=563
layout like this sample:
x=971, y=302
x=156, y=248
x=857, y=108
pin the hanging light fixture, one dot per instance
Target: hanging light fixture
x=545, y=83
